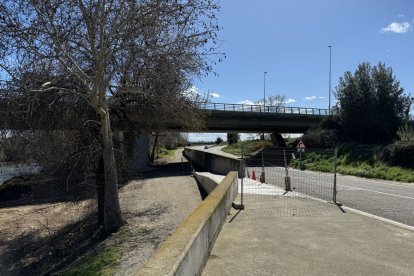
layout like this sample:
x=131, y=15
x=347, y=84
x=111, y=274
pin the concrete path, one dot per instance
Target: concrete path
x=307, y=237
x=215, y=150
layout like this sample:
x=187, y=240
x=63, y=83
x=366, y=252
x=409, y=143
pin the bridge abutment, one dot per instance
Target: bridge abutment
x=278, y=140
x=135, y=146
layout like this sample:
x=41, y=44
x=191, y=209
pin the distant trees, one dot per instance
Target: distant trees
x=233, y=137
x=219, y=140
x=371, y=105
x=274, y=100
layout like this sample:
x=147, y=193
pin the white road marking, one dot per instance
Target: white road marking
x=376, y=181
x=368, y=190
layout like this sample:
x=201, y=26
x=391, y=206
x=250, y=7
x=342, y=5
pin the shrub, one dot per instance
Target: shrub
x=321, y=138
x=233, y=138
x=219, y=140
x=330, y=122
x=406, y=133
x=399, y=154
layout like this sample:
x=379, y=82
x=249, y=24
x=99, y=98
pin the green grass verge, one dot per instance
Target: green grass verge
x=357, y=160
x=165, y=153
x=102, y=261
x=249, y=147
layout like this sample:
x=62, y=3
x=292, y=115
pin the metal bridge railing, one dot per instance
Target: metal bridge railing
x=262, y=108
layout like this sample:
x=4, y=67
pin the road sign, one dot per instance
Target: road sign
x=301, y=146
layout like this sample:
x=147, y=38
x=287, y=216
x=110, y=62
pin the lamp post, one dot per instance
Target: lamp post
x=330, y=62
x=262, y=175
x=264, y=90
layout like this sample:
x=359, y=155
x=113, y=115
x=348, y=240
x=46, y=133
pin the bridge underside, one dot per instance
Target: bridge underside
x=256, y=122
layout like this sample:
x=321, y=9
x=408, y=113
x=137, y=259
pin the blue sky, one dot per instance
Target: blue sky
x=289, y=40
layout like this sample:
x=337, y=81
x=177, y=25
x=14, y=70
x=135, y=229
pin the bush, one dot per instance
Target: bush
x=321, y=138
x=219, y=140
x=233, y=138
x=330, y=122
x=399, y=154
x=406, y=133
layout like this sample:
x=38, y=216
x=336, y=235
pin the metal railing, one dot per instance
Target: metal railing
x=264, y=109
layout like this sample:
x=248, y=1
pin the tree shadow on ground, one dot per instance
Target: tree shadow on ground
x=168, y=170
x=33, y=254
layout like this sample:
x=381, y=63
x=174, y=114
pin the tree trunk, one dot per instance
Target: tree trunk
x=154, y=147
x=112, y=210
x=100, y=188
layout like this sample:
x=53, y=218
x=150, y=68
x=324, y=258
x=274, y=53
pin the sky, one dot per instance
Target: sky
x=289, y=40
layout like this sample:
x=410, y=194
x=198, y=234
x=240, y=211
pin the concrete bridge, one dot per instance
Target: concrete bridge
x=259, y=118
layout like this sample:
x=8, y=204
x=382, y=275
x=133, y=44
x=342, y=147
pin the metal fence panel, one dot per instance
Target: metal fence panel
x=281, y=173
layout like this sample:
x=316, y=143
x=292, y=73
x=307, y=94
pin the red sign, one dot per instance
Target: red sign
x=301, y=146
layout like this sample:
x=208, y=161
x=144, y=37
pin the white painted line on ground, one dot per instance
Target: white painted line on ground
x=376, y=181
x=368, y=190
x=395, y=223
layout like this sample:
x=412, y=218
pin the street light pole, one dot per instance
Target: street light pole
x=262, y=175
x=330, y=62
x=264, y=90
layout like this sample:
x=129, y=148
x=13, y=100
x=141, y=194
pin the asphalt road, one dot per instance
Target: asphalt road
x=387, y=199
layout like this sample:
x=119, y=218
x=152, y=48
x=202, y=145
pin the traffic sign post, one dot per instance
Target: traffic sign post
x=300, y=148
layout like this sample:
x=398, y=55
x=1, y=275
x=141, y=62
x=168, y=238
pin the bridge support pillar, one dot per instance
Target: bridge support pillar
x=278, y=140
x=135, y=151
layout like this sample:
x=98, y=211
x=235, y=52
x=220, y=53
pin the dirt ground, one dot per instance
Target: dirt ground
x=152, y=208
x=25, y=231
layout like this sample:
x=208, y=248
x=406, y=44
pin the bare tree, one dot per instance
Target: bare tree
x=274, y=100
x=109, y=46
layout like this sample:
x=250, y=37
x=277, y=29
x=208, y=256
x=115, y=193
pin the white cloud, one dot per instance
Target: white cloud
x=288, y=101
x=311, y=98
x=214, y=95
x=192, y=91
x=396, y=27
x=246, y=102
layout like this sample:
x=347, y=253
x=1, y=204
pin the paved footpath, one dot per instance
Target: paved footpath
x=302, y=236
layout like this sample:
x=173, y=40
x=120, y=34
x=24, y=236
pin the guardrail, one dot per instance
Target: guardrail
x=263, y=108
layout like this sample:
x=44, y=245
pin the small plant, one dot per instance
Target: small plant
x=406, y=133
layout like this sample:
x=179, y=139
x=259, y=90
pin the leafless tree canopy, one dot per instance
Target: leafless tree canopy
x=148, y=48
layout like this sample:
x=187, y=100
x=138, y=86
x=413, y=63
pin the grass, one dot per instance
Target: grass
x=165, y=153
x=357, y=160
x=249, y=147
x=103, y=263
x=100, y=262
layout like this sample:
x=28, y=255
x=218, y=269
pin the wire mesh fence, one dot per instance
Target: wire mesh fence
x=286, y=173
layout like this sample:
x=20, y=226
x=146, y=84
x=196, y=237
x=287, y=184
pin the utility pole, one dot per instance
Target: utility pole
x=264, y=96
x=330, y=62
x=264, y=90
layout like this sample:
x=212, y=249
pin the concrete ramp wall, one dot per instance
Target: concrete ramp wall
x=214, y=163
x=188, y=248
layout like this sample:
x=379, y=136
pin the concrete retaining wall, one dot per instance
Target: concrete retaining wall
x=205, y=182
x=187, y=250
x=213, y=163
